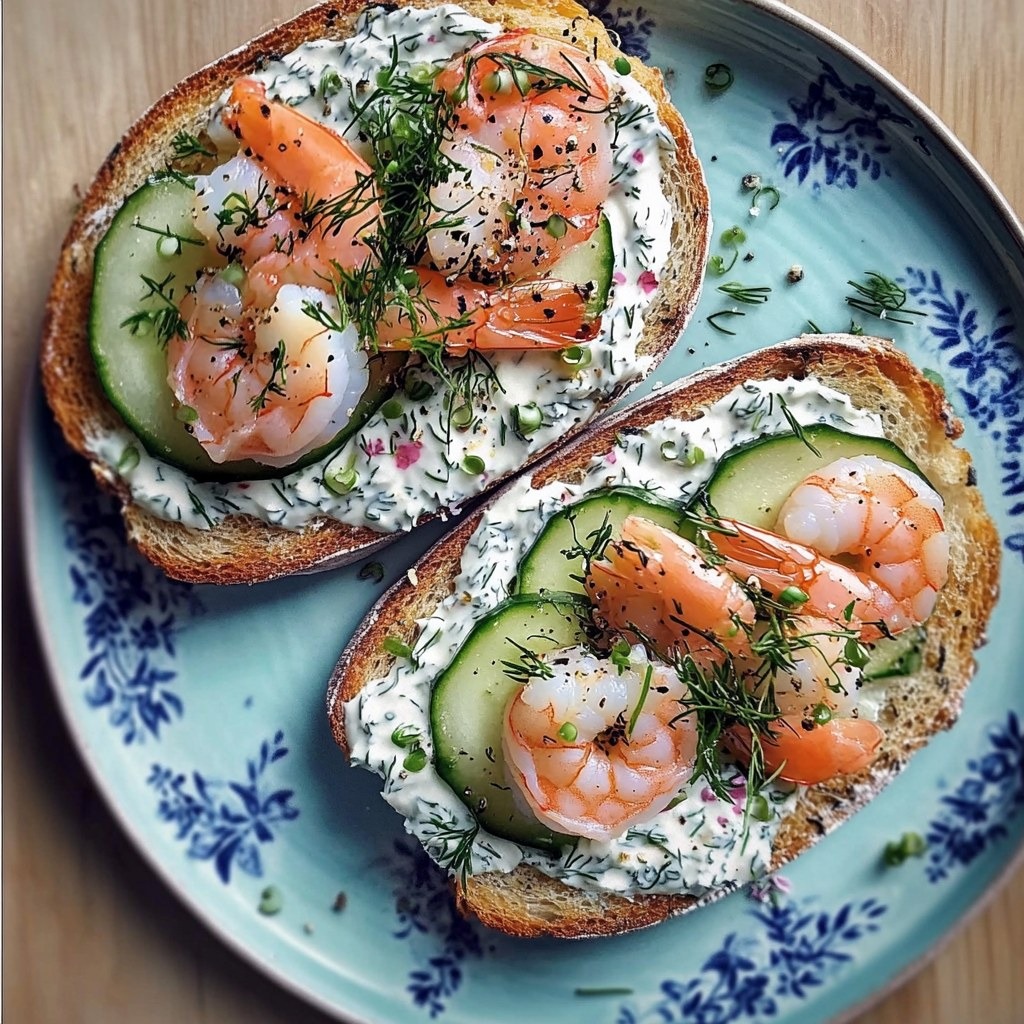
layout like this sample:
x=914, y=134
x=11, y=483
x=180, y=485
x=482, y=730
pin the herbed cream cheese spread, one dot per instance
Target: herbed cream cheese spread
x=699, y=843
x=416, y=460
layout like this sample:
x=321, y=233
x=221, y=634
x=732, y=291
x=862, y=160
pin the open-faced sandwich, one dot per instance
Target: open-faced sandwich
x=685, y=648
x=364, y=268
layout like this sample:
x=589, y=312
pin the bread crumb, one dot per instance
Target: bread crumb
x=413, y=578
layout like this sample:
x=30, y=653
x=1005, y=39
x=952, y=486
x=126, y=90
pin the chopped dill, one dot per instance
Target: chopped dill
x=882, y=297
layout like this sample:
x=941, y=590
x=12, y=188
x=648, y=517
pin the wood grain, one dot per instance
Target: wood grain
x=92, y=937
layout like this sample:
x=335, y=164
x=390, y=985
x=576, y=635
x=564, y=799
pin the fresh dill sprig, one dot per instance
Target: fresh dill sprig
x=530, y=665
x=713, y=319
x=590, y=548
x=456, y=855
x=241, y=214
x=797, y=428
x=881, y=296
x=165, y=320
x=277, y=381
x=185, y=145
x=753, y=295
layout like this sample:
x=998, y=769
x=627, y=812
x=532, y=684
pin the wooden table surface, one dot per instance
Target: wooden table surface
x=91, y=935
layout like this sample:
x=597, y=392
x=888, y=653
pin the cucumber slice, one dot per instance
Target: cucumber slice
x=752, y=481
x=897, y=655
x=547, y=567
x=133, y=367
x=469, y=699
x=590, y=263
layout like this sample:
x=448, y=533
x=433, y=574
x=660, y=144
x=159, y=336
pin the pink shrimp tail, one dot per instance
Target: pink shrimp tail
x=843, y=746
x=544, y=314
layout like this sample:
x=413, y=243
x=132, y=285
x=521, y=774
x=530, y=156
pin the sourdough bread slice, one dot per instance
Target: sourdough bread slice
x=915, y=415
x=242, y=548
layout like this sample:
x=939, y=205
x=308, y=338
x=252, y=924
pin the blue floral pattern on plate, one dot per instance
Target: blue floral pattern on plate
x=132, y=612
x=837, y=133
x=976, y=813
x=790, y=950
x=226, y=822
x=989, y=373
x=424, y=908
x=631, y=25
x=263, y=661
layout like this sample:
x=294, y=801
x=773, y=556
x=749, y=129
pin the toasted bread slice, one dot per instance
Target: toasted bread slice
x=242, y=548
x=915, y=415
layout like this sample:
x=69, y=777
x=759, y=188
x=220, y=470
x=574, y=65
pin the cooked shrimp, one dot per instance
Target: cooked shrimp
x=529, y=314
x=819, y=733
x=594, y=750
x=653, y=584
x=297, y=190
x=659, y=587
x=809, y=755
x=532, y=150
x=884, y=520
x=270, y=386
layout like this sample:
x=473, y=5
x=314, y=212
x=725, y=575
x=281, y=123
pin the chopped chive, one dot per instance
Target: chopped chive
x=462, y=416
x=473, y=465
x=792, y=596
x=340, y=481
x=415, y=760
x=576, y=356
x=168, y=247
x=718, y=77
x=271, y=901
x=695, y=456
x=760, y=809
x=129, y=459
x=935, y=378
x=556, y=226
x=330, y=83
x=528, y=417
x=405, y=736
x=669, y=451
x=568, y=732
x=822, y=714
x=391, y=409
x=186, y=414
x=910, y=844
x=396, y=646
x=372, y=571
x=622, y=66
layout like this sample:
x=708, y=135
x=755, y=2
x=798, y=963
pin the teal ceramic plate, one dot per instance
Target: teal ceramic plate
x=200, y=710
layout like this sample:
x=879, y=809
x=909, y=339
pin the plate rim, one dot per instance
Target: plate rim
x=27, y=476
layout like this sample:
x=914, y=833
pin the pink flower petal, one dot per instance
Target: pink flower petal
x=611, y=458
x=647, y=281
x=619, y=277
x=638, y=156
x=408, y=454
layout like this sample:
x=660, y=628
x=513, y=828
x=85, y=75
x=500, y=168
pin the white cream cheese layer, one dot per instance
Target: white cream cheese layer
x=702, y=842
x=414, y=462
